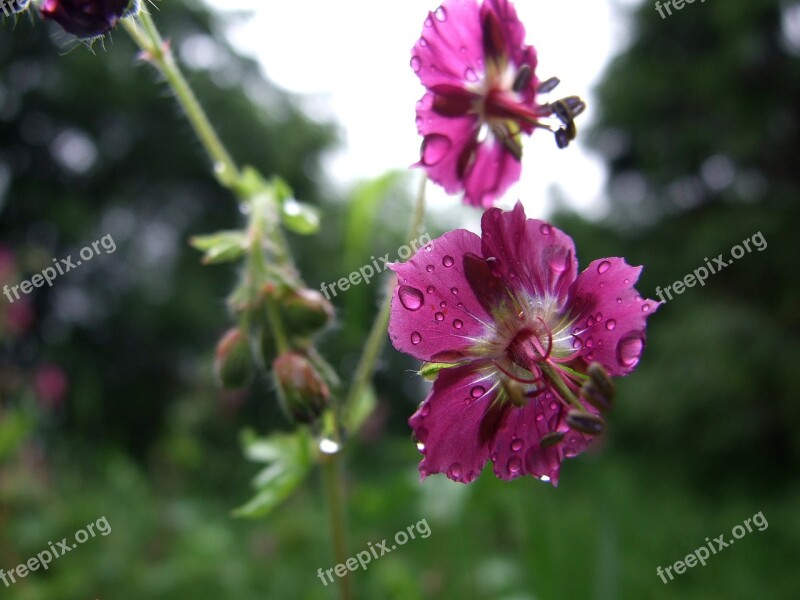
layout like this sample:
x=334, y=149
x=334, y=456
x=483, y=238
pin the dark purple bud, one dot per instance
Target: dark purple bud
x=233, y=362
x=86, y=18
x=303, y=393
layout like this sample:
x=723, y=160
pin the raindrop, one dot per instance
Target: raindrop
x=645, y=307
x=619, y=300
x=514, y=464
x=458, y=323
x=629, y=349
x=430, y=268
x=416, y=338
x=439, y=316
x=610, y=324
x=328, y=446
x=544, y=478
x=434, y=148
x=416, y=64
x=411, y=298
x=448, y=261
x=431, y=289
x=441, y=14
x=425, y=409
x=559, y=262
x=553, y=406
x=428, y=22
x=454, y=290
x=470, y=74
x=590, y=356
x=442, y=304
x=603, y=266
x=516, y=444
x=590, y=321
x=428, y=247
x=545, y=229
x=454, y=470
x=577, y=344
x=589, y=343
x=477, y=391
x=598, y=317
x=420, y=446
x=460, y=305
x=540, y=417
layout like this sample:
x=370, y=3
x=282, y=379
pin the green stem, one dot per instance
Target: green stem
x=160, y=54
x=377, y=335
x=553, y=376
x=334, y=493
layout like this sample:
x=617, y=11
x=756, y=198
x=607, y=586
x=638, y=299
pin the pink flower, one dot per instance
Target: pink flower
x=512, y=329
x=481, y=97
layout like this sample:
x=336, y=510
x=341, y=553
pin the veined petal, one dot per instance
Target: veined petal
x=517, y=449
x=455, y=424
x=610, y=315
x=449, y=50
x=532, y=256
x=434, y=311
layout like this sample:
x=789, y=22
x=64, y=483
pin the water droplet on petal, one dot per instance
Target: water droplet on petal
x=590, y=321
x=454, y=290
x=416, y=64
x=411, y=298
x=610, y=324
x=431, y=289
x=458, y=323
x=516, y=444
x=603, y=266
x=430, y=268
x=434, y=148
x=619, y=300
x=448, y=261
x=645, y=307
x=589, y=343
x=442, y=304
x=420, y=446
x=454, y=470
x=544, y=478
x=540, y=417
x=477, y=391
x=428, y=21
x=425, y=409
x=441, y=14
x=577, y=344
x=590, y=356
x=559, y=262
x=470, y=74
x=553, y=406
x=629, y=349
x=439, y=316
x=416, y=338
x=514, y=464
x=545, y=229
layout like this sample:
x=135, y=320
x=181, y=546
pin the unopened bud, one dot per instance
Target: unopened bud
x=305, y=311
x=233, y=363
x=585, y=422
x=301, y=389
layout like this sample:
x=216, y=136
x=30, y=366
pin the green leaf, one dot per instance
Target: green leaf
x=299, y=217
x=288, y=456
x=223, y=246
x=14, y=428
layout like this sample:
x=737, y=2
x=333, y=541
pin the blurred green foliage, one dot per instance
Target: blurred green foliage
x=699, y=124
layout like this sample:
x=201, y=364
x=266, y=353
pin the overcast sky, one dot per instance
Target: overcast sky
x=353, y=57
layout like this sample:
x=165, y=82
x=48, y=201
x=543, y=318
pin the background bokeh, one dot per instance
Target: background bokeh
x=107, y=401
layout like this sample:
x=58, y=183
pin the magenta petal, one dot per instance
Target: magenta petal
x=516, y=449
x=434, y=311
x=611, y=315
x=532, y=256
x=512, y=28
x=449, y=50
x=493, y=171
x=451, y=425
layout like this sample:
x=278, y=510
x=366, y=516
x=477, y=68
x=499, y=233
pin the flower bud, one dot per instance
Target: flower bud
x=87, y=19
x=305, y=311
x=301, y=389
x=233, y=363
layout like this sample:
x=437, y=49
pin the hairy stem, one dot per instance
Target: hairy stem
x=334, y=493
